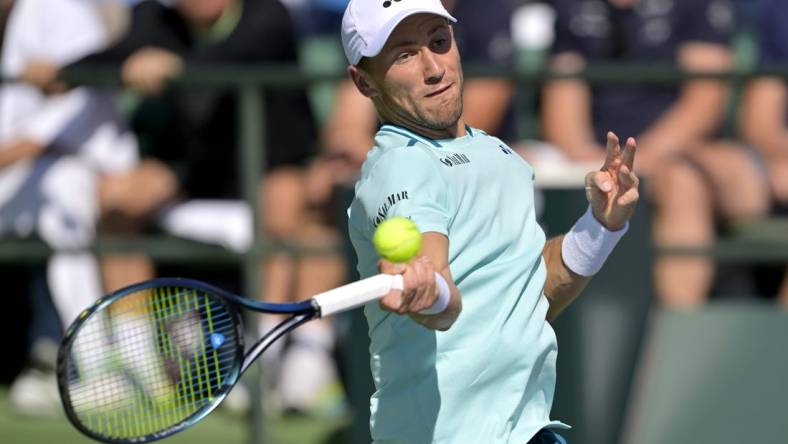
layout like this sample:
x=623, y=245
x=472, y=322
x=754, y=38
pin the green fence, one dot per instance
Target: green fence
x=750, y=244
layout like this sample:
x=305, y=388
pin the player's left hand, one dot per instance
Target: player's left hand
x=613, y=190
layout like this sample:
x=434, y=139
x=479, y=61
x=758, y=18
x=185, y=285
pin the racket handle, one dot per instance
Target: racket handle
x=357, y=293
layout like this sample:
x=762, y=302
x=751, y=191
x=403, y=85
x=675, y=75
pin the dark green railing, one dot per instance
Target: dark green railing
x=248, y=81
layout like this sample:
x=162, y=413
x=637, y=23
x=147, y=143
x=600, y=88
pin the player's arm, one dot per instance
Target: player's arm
x=562, y=285
x=566, y=111
x=572, y=259
x=420, y=289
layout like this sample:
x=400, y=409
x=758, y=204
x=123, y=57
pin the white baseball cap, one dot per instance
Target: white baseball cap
x=367, y=24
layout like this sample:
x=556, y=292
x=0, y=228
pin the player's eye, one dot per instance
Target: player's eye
x=403, y=56
x=440, y=43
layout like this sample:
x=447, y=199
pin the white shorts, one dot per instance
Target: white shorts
x=56, y=200
x=55, y=196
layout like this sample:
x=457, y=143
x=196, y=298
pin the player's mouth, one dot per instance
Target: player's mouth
x=439, y=91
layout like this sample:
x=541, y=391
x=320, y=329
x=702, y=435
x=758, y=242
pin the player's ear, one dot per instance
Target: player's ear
x=362, y=80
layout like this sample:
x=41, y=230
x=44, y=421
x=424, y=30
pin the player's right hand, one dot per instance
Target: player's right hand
x=419, y=289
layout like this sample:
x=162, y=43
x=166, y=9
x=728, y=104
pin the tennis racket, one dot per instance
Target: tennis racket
x=154, y=358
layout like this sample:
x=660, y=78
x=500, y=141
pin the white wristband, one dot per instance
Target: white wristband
x=444, y=294
x=588, y=244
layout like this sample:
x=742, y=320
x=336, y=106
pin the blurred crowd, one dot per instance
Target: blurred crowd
x=79, y=162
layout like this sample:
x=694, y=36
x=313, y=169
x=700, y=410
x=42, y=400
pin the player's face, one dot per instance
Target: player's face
x=418, y=76
x=203, y=12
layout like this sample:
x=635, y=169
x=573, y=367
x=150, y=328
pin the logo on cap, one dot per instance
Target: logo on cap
x=387, y=3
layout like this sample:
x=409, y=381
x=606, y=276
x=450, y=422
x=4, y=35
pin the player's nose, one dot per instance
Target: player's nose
x=432, y=67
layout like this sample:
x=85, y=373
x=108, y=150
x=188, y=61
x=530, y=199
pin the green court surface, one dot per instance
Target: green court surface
x=220, y=427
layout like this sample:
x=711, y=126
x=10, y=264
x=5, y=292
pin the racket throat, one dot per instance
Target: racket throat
x=277, y=332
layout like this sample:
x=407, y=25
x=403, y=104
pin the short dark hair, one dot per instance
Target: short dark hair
x=365, y=63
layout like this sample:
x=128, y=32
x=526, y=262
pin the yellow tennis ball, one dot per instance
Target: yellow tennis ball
x=397, y=239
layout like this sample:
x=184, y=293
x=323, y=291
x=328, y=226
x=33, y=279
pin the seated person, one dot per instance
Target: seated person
x=763, y=118
x=54, y=149
x=690, y=172
x=191, y=139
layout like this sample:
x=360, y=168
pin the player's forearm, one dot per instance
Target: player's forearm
x=562, y=285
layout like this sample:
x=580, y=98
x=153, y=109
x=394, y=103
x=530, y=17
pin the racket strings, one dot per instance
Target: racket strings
x=150, y=360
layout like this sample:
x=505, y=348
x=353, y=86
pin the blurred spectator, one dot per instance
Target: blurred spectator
x=191, y=138
x=764, y=120
x=316, y=17
x=53, y=149
x=692, y=177
x=5, y=9
x=693, y=35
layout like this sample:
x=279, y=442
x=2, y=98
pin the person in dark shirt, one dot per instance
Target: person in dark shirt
x=764, y=113
x=689, y=34
x=693, y=176
x=191, y=140
x=197, y=136
x=189, y=134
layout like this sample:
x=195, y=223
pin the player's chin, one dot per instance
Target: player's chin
x=443, y=116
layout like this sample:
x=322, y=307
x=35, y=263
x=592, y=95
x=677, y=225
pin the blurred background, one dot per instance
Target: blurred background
x=219, y=140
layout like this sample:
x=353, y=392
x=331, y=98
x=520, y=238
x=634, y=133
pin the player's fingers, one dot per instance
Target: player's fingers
x=593, y=193
x=391, y=302
x=390, y=267
x=628, y=157
x=629, y=198
x=627, y=178
x=613, y=149
x=601, y=181
x=416, y=277
x=426, y=293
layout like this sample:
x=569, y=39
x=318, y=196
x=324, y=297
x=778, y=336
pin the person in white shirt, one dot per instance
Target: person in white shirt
x=53, y=150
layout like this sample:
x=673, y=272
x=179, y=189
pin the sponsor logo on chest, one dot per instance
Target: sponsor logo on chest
x=455, y=159
x=390, y=201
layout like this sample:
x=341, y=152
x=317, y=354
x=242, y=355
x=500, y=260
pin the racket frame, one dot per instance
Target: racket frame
x=300, y=312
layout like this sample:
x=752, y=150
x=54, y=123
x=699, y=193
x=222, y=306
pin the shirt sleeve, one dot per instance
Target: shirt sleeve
x=773, y=33
x=565, y=40
x=147, y=25
x=403, y=182
x=265, y=32
x=708, y=21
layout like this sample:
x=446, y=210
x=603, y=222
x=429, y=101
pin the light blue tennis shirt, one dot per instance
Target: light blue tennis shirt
x=490, y=378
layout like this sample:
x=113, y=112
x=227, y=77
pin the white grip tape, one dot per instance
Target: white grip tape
x=357, y=293
x=444, y=295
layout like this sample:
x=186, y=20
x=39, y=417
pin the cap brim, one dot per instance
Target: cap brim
x=374, y=47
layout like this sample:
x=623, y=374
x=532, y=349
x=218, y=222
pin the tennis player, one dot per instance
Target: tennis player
x=483, y=369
